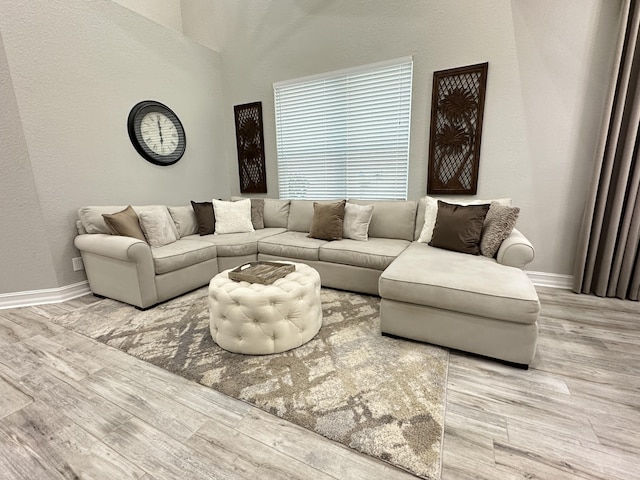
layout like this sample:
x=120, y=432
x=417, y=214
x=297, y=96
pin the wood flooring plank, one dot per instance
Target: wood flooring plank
x=65, y=447
x=33, y=320
x=34, y=356
x=164, y=457
x=19, y=462
x=87, y=409
x=579, y=459
x=155, y=408
x=556, y=413
x=12, y=398
x=470, y=455
x=82, y=362
x=11, y=332
x=240, y=451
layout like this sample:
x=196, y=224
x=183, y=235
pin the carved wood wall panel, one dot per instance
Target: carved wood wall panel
x=250, y=145
x=457, y=108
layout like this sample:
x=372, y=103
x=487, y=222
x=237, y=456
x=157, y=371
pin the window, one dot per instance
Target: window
x=345, y=134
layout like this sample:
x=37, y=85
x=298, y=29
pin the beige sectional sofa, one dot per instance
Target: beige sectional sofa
x=473, y=303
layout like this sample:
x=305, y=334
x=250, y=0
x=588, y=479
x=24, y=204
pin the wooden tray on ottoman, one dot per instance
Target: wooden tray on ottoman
x=261, y=272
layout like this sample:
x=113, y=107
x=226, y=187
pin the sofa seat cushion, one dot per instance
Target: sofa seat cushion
x=180, y=254
x=477, y=285
x=291, y=245
x=376, y=253
x=238, y=244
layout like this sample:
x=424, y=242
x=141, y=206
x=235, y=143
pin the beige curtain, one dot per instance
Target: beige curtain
x=608, y=258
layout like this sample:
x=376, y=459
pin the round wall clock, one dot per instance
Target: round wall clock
x=156, y=133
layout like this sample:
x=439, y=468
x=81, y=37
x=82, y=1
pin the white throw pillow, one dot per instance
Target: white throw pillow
x=232, y=217
x=431, y=212
x=356, y=221
x=157, y=227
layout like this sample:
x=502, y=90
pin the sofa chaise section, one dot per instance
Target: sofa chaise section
x=465, y=302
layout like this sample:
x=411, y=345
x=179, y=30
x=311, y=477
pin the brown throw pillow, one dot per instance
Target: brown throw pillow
x=498, y=225
x=459, y=227
x=327, y=220
x=125, y=223
x=205, y=217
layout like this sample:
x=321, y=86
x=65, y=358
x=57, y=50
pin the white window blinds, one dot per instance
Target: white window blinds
x=345, y=134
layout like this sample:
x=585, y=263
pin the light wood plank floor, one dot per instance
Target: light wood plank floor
x=73, y=408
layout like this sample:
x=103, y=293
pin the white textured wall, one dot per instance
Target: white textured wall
x=164, y=12
x=200, y=24
x=76, y=68
x=548, y=65
x=26, y=262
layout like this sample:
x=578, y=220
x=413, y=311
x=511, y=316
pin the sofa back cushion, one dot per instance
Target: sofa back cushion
x=92, y=219
x=185, y=219
x=301, y=214
x=275, y=212
x=392, y=218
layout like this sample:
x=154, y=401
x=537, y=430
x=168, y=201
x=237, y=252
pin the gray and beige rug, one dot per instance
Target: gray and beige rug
x=382, y=396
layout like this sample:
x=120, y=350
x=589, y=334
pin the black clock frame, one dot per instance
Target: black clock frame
x=136, y=115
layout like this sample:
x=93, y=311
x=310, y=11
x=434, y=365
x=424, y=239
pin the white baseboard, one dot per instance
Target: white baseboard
x=40, y=297
x=553, y=280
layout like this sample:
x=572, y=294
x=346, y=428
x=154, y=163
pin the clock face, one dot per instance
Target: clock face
x=156, y=133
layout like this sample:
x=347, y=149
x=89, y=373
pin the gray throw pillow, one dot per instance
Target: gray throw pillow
x=257, y=213
x=498, y=225
x=327, y=221
x=459, y=227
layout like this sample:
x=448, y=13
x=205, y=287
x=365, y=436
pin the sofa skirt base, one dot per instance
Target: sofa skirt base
x=508, y=341
x=338, y=275
x=172, y=284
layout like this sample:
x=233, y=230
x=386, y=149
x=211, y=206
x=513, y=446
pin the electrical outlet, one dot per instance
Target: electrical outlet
x=77, y=264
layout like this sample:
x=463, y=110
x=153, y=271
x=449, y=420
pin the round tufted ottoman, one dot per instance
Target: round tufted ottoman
x=258, y=319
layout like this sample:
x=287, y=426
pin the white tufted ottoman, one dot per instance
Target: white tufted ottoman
x=260, y=319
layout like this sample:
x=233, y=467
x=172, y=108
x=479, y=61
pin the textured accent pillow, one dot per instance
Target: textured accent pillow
x=232, y=217
x=125, y=223
x=498, y=225
x=156, y=225
x=257, y=213
x=356, y=221
x=205, y=217
x=459, y=227
x=327, y=220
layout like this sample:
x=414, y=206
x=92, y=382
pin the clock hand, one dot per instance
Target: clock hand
x=159, y=129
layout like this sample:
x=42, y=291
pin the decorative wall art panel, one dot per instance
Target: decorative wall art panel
x=457, y=107
x=250, y=144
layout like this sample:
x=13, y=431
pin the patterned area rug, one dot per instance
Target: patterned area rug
x=382, y=396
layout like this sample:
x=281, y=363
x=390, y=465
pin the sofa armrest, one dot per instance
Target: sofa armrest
x=516, y=250
x=114, y=246
x=119, y=267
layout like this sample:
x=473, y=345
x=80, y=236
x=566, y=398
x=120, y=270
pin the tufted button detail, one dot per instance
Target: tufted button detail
x=239, y=338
